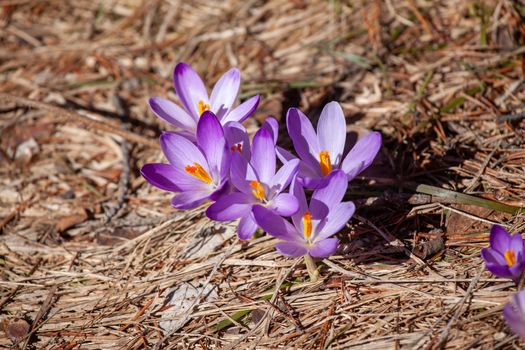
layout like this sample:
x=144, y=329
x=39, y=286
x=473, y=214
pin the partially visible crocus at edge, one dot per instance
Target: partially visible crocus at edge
x=514, y=313
x=314, y=224
x=257, y=182
x=196, y=171
x=506, y=255
x=321, y=152
x=195, y=99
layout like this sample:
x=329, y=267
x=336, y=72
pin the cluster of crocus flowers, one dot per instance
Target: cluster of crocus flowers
x=211, y=159
x=506, y=258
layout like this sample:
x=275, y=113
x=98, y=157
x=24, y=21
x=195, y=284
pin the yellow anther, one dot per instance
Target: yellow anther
x=326, y=164
x=307, y=224
x=203, y=107
x=198, y=171
x=510, y=258
x=258, y=190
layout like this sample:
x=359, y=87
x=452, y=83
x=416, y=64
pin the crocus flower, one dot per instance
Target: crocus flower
x=322, y=152
x=314, y=224
x=514, y=313
x=257, y=183
x=238, y=139
x=197, y=171
x=195, y=100
x=506, y=255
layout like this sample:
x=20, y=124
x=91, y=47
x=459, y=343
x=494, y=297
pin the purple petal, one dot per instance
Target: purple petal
x=325, y=198
x=170, y=178
x=275, y=225
x=514, y=314
x=230, y=207
x=291, y=249
x=242, y=111
x=312, y=182
x=222, y=191
x=362, y=154
x=492, y=256
x=285, y=204
x=171, y=113
x=516, y=244
x=516, y=271
x=187, y=134
x=235, y=135
x=190, y=199
x=303, y=137
x=161, y=176
x=519, y=301
x=225, y=92
x=498, y=270
x=181, y=152
x=247, y=226
x=283, y=155
x=190, y=88
x=500, y=239
x=284, y=176
x=307, y=176
x=324, y=248
x=495, y=263
x=242, y=173
x=263, y=156
x=331, y=130
x=298, y=191
x=336, y=219
x=272, y=126
x=210, y=138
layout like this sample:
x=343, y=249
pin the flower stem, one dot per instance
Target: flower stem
x=311, y=267
x=520, y=282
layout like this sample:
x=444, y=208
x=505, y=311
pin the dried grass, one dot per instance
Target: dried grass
x=88, y=267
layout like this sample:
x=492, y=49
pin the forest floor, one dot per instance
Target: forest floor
x=93, y=257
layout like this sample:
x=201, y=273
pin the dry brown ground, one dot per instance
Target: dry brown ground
x=92, y=257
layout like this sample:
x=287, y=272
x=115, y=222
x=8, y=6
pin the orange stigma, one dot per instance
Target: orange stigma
x=326, y=164
x=198, y=171
x=237, y=147
x=258, y=190
x=203, y=107
x=510, y=258
x=307, y=224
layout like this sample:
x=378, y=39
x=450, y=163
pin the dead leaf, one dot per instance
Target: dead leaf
x=458, y=224
x=66, y=222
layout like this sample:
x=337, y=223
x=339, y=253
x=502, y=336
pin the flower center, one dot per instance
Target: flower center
x=510, y=258
x=326, y=164
x=258, y=190
x=307, y=225
x=198, y=171
x=203, y=107
x=237, y=147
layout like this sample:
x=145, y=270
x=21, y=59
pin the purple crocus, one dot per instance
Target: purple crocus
x=195, y=100
x=506, y=255
x=257, y=182
x=239, y=140
x=197, y=172
x=514, y=313
x=314, y=224
x=322, y=152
